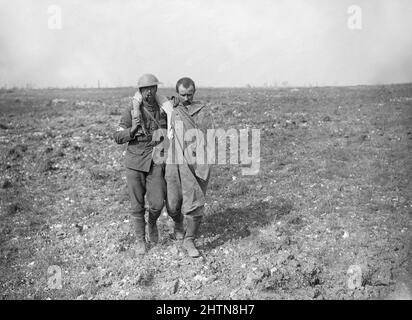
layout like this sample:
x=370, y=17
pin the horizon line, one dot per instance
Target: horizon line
x=30, y=87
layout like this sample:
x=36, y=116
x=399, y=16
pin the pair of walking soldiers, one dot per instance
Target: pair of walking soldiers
x=148, y=125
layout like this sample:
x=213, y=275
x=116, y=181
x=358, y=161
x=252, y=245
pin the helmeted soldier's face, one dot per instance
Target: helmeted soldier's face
x=186, y=95
x=149, y=93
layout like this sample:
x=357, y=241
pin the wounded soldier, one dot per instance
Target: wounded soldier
x=186, y=178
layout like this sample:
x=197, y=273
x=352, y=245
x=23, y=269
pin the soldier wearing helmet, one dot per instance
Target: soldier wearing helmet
x=186, y=180
x=145, y=177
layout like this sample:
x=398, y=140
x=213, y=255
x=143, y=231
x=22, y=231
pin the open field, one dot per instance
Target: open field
x=333, y=191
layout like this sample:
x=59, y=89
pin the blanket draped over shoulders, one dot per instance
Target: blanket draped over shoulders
x=193, y=174
x=183, y=167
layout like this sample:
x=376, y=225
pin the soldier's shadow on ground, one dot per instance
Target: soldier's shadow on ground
x=236, y=223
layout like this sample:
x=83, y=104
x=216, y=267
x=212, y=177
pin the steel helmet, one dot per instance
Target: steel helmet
x=147, y=80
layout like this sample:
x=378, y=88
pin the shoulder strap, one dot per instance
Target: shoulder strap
x=151, y=117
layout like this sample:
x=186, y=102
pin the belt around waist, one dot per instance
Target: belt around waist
x=143, y=138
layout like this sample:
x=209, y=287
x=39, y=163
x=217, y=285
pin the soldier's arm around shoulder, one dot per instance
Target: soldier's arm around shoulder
x=122, y=133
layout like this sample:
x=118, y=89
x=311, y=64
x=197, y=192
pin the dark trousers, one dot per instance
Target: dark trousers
x=152, y=184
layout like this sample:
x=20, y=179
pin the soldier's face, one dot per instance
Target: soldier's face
x=186, y=95
x=148, y=93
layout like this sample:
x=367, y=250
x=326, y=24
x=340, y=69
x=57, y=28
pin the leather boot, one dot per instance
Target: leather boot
x=152, y=227
x=138, y=228
x=178, y=228
x=192, y=230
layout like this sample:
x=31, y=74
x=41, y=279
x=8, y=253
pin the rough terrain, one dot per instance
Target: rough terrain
x=327, y=217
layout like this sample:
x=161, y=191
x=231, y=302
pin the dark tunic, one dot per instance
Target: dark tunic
x=140, y=148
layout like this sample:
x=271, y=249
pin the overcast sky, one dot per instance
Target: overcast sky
x=217, y=43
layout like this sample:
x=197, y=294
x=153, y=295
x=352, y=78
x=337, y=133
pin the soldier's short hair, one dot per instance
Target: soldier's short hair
x=186, y=83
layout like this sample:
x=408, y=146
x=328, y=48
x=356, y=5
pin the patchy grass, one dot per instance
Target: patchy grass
x=333, y=191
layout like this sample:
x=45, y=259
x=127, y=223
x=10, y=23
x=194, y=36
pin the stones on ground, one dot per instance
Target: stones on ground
x=283, y=207
x=200, y=278
x=354, y=277
x=54, y=102
x=80, y=103
x=282, y=257
x=256, y=276
x=6, y=184
x=65, y=143
x=360, y=276
x=382, y=276
x=106, y=281
x=16, y=152
x=244, y=232
x=233, y=294
x=358, y=294
x=47, y=165
x=295, y=220
x=239, y=293
x=317, y=294
x=234, y=266
x=174, y=250
x=61, y=235
x=268, y=199
x=173, y=287
x=97, y=173
x=311, y=273
x=145, y=278
x=81, y=227
x=273, y=271
x=208, y=279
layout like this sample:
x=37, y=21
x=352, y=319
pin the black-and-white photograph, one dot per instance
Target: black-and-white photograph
x=188, y=150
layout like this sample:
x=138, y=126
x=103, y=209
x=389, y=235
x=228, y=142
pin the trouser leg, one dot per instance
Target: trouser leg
x=174, y=199
x=136, y=184
x=174, y=190
x=156, y=193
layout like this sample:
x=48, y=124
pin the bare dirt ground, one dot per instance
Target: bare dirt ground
x=332, y=196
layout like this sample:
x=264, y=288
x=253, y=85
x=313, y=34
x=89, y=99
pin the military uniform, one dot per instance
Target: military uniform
x=143, y=175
